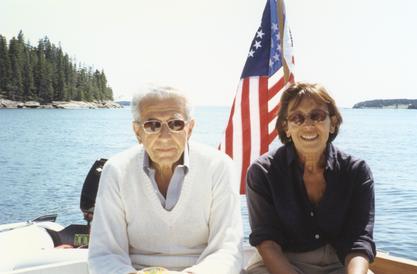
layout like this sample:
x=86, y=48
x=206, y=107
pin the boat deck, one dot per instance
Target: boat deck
x=383, y=264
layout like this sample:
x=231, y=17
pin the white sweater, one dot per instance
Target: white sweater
x=201, y=234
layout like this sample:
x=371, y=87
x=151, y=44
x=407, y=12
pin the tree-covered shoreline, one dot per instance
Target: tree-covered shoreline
x=45, y=73
x=388, y=103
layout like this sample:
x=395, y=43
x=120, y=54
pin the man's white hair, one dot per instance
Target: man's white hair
x=159, y=93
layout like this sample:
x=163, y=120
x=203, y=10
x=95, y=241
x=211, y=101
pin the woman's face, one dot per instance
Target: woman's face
x=309, y=126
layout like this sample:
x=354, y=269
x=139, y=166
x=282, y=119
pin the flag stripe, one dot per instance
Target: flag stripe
x=237, y=130
x=246, y=133
x=276, y=87
x=271, y=125
x=255, y=117
x=229, y=133
x=263, y=109
x=272, y=136
x=273, y=113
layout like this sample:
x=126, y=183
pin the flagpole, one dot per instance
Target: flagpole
x=280, y=13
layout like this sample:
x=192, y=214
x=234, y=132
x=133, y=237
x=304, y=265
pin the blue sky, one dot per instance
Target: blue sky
x=359, y=50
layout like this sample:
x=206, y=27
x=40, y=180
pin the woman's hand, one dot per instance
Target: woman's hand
x=356, y=263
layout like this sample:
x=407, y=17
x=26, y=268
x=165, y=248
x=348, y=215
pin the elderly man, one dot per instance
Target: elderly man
x=166, y=203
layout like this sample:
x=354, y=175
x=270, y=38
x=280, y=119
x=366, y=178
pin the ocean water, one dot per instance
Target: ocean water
x=45, y=155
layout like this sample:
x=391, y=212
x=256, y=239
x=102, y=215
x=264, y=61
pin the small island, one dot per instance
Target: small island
x=44, y=76
x=388, y=103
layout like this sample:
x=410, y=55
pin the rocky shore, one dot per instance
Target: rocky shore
x=59, y=104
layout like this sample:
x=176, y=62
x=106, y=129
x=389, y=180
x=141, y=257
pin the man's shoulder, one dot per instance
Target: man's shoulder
x=206, y=152
x=213, y=165
x=126, y=157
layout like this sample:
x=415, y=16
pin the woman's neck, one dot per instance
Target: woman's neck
x=312, y=162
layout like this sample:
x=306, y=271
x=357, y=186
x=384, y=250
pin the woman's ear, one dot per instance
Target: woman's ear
x=285, y=127
x=333, y=122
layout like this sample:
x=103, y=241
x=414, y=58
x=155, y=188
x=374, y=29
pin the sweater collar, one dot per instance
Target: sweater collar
x=185, y=161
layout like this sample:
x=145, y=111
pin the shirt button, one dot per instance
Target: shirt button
x=317, y=236
x=311, y=213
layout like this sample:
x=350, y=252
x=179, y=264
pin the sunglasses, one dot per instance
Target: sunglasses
x=155, y=126
x=316, y=116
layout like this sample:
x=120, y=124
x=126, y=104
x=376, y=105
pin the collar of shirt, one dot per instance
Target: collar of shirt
x=330, y=156
x=185, y=161
x=175, y=184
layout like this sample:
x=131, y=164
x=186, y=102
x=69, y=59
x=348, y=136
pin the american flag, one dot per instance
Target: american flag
x=268, y=70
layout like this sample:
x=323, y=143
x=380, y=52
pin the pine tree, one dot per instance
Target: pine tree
x=43, y=76
x=81, y=85
x=59, y=85
x=72, y=81
x=4, y=65
x=15, y=87
x=99, y=85
x=107, y=91
x=89, y=88
x=29, y=92
x=67, y=77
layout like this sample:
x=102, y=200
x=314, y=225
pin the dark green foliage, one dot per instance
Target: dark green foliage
x=380, y=103
x=45, y=73
x=4, y=66
x=29, y=91
x=14, y=86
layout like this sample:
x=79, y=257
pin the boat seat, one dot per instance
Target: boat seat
x=71, y=236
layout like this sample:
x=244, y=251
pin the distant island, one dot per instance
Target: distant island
x=45, y=76
x=388, y=103
x=123, y=103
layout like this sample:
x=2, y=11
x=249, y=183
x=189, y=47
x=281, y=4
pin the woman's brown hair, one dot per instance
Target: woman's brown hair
x=295, y=93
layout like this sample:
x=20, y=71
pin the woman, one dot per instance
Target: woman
x=311, y=206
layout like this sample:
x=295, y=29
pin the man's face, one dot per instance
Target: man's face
x=166, y=146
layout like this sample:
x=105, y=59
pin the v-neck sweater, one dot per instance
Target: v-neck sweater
x=201, y=234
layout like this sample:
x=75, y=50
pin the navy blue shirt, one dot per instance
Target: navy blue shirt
x=279, y=208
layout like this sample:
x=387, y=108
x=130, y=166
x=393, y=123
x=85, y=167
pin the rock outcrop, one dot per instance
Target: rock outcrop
x=59, y=104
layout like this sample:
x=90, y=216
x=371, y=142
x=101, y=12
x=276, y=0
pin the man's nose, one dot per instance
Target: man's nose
x=165, y=132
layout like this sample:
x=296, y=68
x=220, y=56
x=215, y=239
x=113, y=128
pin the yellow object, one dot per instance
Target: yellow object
x=154, y=270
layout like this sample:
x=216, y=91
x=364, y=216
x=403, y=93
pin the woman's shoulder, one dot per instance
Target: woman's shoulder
x=343, y=160
x=275, y=157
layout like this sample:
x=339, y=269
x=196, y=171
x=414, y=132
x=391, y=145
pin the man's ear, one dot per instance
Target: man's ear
x=190, y=126
x=136, y=129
